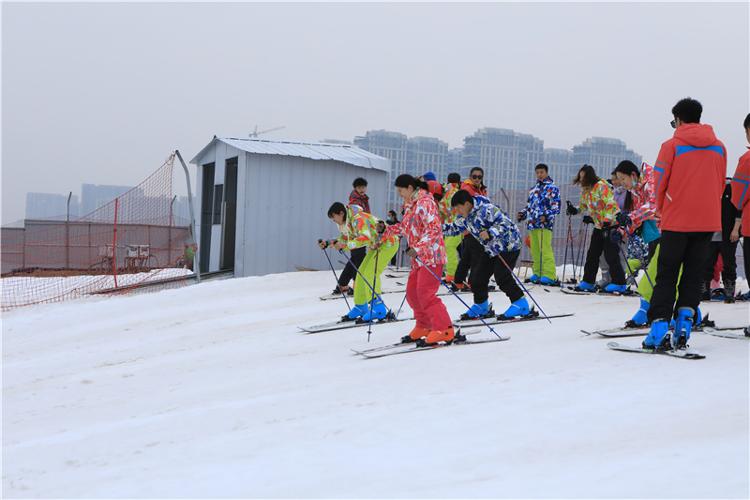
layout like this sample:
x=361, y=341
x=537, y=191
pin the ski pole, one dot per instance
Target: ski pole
x=343, y=294
x=630, y=271
x=455, y=295
x=402, y=305
x=363, y=278
x=372, y=298
x=565, y=259
x=518, y=280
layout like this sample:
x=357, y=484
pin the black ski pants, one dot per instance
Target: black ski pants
x=600, y=242
x=486, y=266
x=728, y=251
x=349, y=273
x=471, y=253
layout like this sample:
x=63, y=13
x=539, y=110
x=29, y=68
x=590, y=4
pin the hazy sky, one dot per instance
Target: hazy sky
x=102, y=93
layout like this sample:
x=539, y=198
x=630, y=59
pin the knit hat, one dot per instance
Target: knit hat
x=429, y=176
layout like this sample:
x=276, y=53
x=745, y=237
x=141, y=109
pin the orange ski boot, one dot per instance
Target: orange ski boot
x=416, y=334
x=436, y=336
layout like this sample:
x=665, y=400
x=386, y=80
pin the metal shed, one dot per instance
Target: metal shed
x=262, y=204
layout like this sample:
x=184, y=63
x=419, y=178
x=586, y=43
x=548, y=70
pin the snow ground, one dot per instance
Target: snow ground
x=210, y=390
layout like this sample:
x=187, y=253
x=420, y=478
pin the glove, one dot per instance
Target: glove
x=587, y=219
x=411, y=253
x=380, y=227
x=623, y=219
x=520, y=216
x=606, y=225
x=323, y=244
x=570, y=210
x=615, y=236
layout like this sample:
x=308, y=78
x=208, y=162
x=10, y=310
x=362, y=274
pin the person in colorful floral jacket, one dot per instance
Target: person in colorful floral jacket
x=500, y=240
x=447, y=216
x=597, y=200
x=422, y=228
x=359, y=229
x=540, y=212
x=358, y=196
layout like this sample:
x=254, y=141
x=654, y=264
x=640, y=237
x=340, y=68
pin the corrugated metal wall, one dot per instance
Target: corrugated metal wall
x=285, y=204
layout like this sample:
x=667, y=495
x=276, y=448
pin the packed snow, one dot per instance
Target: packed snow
x=211, y=390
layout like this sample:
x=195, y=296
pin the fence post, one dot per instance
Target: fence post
x=114, y=242
x=67, y=233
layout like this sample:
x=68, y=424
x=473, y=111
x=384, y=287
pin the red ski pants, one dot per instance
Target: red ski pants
x=429, y=310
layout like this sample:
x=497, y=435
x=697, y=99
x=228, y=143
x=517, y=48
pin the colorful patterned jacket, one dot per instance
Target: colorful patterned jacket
x=599, y=203
x=446, y=212
x=504, y=234
x=544, y=200
x=361, y=200
x=360, y=229
x=421, y=226
x=644, y=198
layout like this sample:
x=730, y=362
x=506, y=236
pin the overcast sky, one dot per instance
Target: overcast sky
x=101, y=93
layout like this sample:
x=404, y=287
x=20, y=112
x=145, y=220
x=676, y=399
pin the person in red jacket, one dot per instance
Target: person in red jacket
x=471, y=249
x=358, y=196
x=690, y=172
x=741, y=200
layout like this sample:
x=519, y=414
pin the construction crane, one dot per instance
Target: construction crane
x=256, y=132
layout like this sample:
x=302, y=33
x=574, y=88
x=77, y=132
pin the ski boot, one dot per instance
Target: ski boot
x=437, y=336
x=747, y=331
x=533, y=279
x=449, y=280
x=548, y=282
x=379, y=311
x=584, y=286
x=460, y=287
x=658, y=338
x=415, y=334
x=616, y=289
x=517, y=309
x=729, y=290
x=682, y=327
x=640, y=318
x=356, y=312
x=482, y=310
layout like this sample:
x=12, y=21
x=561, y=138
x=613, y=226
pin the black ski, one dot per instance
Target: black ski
x=386, y=347
x=598, y=293
x=409, y=348
x=498, y=321
x=344, y=325
x=676, y=353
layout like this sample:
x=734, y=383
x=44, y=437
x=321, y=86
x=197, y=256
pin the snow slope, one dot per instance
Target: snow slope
x=210, y=390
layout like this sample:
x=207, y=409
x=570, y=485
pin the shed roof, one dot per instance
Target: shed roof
x=345, y=153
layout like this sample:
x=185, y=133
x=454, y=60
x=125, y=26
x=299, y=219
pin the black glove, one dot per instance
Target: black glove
x=587, y=219
x=623, y=219
x=571, y=210
x=380, y=227
x=520, y=216
x=323, y=244
x=606, y=225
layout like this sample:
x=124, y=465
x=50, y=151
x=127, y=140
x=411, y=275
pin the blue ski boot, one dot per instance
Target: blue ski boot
x=356, y=312
x=584, y=286
x=534, y=279
x=379, y=311
x=549, y=282
x=617, y=289
x=482, y=310
x=658, y=337
x=517, y=309
x=682, y=327
x=640, y=318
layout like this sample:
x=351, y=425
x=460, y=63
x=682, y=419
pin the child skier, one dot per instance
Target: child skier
x=447, y=216
x=500, y=241
x=359, y=229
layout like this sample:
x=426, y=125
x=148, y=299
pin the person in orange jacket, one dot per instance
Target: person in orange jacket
x=741, y=200
x=471, y=250
x=690, y=172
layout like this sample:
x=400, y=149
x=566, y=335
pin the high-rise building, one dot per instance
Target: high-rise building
x=603, y=153
x=427, y=154
x=50, y=206
x=94, y=196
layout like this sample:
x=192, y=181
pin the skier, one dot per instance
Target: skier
x=541, y=209
x=360, y=229
x=624, y=201
x=598, y=202
x=358, y=196
x=690, y=172
x=470, y=248
x=500, y=241
x=421, y=226
x=741, y=200
x=447, y=216
x=722, y=245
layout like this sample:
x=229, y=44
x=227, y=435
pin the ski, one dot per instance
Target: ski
x=497, y=321
x=599, y=293
x=409, y=348
x=641, y=331
x=676, y=353
x=726, y=333
x=332, y=296
x=345, y=325
x=386, y=347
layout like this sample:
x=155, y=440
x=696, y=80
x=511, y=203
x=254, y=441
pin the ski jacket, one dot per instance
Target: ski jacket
x=544, y=200
x=644, y=198
x=504, y=234
x=421, y=226
x=473, y=190
x=620, y=194
x=690, y=174
x=741, y=192
x=446, y=211
x=360, y=229
x=361, y=200
x=599, y=202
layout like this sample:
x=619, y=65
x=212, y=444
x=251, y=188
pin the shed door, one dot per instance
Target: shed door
x=230, y=215
x=207, y=207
